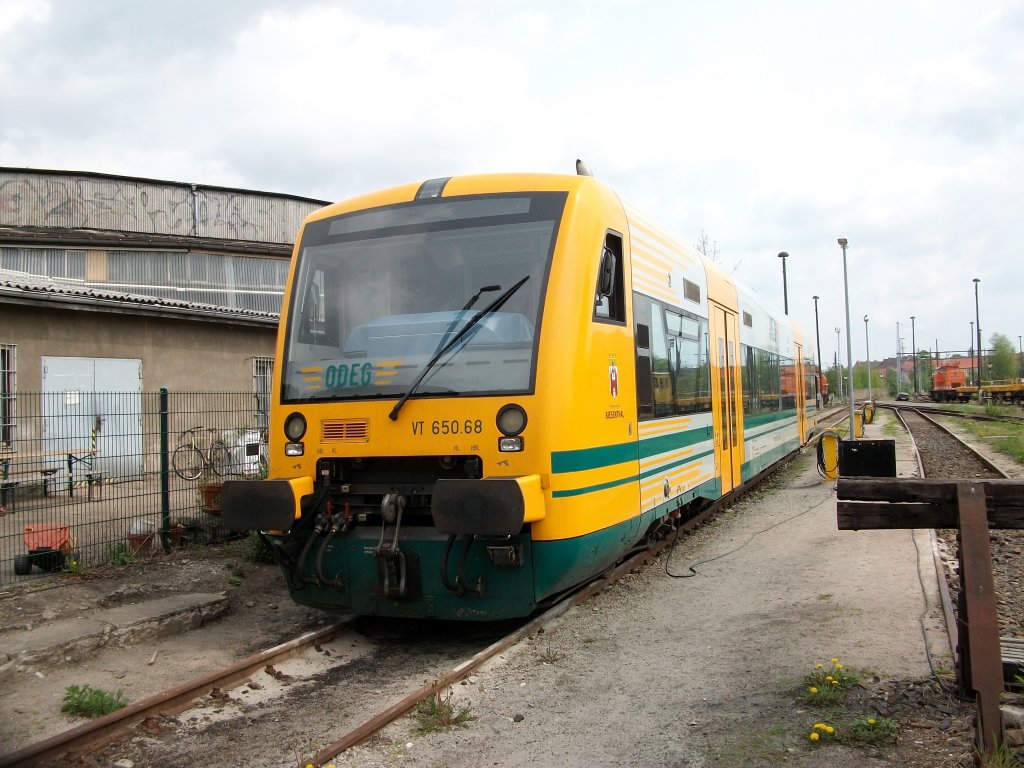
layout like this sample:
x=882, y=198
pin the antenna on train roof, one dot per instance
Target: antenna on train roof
x=582, y=169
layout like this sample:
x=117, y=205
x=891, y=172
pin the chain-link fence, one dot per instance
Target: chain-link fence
x=104, y=477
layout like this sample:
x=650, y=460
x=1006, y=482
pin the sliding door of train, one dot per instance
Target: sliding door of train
x=800, y=384
x=725, y=388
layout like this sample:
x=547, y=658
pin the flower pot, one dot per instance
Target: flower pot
x=141, y=543
x=211, y=498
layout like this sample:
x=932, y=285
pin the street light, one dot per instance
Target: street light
x=913, y=348
x=817, y=340
x=839, y=365
x=970, y=349
x=849, y=347
x=1020, y=352
x=977, y=329
x=867, y=350
x=785, y=293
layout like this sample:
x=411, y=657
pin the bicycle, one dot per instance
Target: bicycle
x=189, y=460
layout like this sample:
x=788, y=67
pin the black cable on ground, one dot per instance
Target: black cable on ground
x=921, y=620
x=692, y=568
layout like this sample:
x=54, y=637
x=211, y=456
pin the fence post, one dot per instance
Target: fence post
x=165, y=490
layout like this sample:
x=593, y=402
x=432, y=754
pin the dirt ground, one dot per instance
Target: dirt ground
x=259, y=614
x=656, y=671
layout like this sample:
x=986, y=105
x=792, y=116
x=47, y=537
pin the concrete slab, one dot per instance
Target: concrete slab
x=71, y=639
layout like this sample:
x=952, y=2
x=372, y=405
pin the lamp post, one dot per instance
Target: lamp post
x=785, y=293
x=839, y=365
x=1020, y=351
x=971, y=350
x=817, y=340
x=977, y=329
x=867, y=351
x=913, y=348
x=849, y=346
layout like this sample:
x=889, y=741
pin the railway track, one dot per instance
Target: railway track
x=213, y=701
x=960, y=414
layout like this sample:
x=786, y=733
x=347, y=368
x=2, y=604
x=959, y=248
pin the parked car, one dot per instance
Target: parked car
x=902, y=396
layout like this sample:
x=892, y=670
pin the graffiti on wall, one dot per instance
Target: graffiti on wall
x=70, y=201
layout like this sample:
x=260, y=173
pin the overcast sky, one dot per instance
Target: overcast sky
x=767, y=127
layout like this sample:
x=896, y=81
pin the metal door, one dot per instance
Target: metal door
x=94, y=404
x=725, y=382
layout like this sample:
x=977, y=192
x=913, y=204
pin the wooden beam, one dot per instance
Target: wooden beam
x=875, y=503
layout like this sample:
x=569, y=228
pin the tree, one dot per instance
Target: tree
x=925, y=368
x=707, y=246
x=1002, y=358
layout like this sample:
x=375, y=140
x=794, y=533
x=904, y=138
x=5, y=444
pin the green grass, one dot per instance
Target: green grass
x=86, y=701
x=1003, y=437
x=120, y=554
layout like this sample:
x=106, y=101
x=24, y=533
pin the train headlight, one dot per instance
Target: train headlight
x=510, y=444
x=295, y=427
x=511, y=420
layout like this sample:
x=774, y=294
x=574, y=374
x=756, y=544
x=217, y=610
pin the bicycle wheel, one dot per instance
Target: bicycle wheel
x=187, y=462
x=220, y=459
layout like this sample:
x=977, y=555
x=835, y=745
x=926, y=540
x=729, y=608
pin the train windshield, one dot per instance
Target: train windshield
x=440, y=297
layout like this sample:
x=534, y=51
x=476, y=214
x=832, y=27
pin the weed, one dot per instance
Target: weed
x=872, y=730
x=437, y=713
x=828, y=685
x=120, y=554
x=549, y=655
x=234, y=581
x=821, y=733
x=86, y=701
x=1001, y=757
x=824, y=596
x=257, y=549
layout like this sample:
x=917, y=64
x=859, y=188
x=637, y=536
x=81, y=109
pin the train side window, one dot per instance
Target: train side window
x=609, y=297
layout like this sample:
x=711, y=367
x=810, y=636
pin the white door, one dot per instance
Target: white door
x=94, y=403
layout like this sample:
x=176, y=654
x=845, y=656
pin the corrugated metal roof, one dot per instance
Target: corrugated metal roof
x=27, y=289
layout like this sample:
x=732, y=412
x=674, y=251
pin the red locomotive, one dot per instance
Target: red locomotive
x=945, y=381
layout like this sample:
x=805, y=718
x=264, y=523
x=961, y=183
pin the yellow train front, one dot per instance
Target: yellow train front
x=468, y=419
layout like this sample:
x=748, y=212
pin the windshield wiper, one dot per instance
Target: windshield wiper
x=494, y=306
x=458, y=315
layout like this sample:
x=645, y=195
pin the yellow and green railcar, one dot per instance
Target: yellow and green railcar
x=489, y=388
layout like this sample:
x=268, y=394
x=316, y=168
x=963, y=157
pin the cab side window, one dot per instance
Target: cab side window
x=609, y=298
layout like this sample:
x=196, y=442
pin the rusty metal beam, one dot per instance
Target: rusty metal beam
x=980, y=615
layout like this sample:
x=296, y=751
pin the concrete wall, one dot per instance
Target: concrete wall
x=180, y=354
x=68, y=200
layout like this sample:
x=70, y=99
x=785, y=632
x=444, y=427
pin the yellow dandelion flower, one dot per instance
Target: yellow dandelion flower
x=872, y=721
x=819, y=666
x=834, y=682
x=828, y=678
x=830, y=729
x=839, y=666
x=835, y=660
x=814, y=736
x=820, y=727
x=812, y=689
